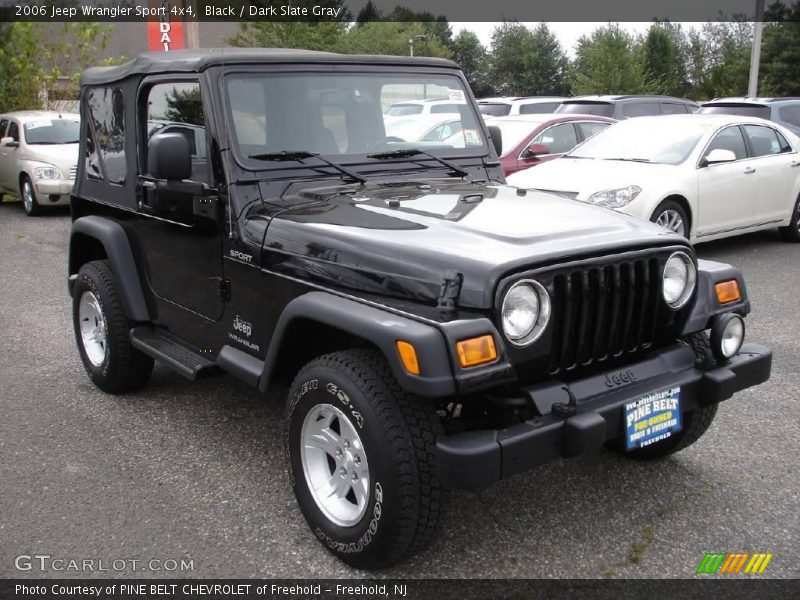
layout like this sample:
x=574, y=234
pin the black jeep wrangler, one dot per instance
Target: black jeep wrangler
x=258, y=212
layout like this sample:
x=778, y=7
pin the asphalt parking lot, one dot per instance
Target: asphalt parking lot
x=195, y=471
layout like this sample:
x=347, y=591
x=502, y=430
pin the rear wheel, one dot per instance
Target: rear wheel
x=361, y=459
x=671, y=215
x=792, y=232
x=102, y=330
x=29, y=202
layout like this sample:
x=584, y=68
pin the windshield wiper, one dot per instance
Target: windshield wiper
x=641, y=160
x=407, y=152
x=301, y=155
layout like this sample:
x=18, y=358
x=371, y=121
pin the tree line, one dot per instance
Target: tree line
x=699, y=63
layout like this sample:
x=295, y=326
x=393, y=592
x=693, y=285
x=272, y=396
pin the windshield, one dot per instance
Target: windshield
x=661, y=140
x=743, y=110
x=603, y=109
x=494, y=109
x=345, y=114
x=52, y=131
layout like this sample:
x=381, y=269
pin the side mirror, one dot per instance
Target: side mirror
x=718, y=155
x=536, y=150
x=497, y=138
x=169, y=157
x=9, y=142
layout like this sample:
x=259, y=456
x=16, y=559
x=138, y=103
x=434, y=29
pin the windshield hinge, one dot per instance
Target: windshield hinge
x=451, y=288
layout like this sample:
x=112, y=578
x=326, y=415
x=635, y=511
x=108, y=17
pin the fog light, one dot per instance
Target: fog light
x=727, y=336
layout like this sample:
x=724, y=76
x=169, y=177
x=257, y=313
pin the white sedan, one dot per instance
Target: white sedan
x=703, y=176
x=38, y=157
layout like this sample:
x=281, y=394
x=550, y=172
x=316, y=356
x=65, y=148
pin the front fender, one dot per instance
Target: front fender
x=379, y=327
x=706, y=306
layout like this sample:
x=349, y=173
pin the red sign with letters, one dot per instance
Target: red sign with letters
x=164, y=36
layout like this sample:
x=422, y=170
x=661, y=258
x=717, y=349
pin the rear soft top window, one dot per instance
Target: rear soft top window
x=494, y=109
x=731, y=108
x=586, y=107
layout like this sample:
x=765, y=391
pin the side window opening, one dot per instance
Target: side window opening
x=13, y=131
x=177, y=107
x=106, y=134
x=731, y=139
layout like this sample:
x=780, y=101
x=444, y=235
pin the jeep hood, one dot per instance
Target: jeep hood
x=401, y=239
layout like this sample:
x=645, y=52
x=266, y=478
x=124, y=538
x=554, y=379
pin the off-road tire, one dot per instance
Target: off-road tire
x=792, y=232
x=398, y=432
x=695, y=422
x=32, y=208
x=124, y=368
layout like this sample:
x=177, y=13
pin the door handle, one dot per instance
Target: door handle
x=749, y=170
x=794, y=163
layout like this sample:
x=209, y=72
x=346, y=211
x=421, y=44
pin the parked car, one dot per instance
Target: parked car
x=38, y=157
x=624, y=107
x=409, y=108
x=529, y=140
x=702, y=176
x=434, y=323
x=519, y=105
x=784, y=111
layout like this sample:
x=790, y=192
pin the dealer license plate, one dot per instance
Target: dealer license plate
x=652, y=418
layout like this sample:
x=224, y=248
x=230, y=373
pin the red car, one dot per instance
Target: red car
x=532, y=139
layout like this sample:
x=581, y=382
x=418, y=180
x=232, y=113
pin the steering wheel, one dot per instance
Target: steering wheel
x=383, y=142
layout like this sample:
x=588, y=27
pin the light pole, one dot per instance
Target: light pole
x=755, y=52
x=421, y=36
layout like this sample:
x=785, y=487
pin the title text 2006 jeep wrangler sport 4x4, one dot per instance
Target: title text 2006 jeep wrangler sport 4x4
x=255, y=212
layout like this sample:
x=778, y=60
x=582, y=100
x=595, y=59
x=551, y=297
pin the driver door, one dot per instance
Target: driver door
x=726, y=191
x=181, y=232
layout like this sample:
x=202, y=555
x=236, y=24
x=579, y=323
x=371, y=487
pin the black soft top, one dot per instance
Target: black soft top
x=193, y=61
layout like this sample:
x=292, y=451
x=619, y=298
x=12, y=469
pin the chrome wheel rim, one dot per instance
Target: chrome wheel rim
x=335, y=465
x=672, y=220
x=93, y=328
x=27, y=196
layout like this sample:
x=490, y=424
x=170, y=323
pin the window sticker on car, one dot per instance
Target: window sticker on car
x=37, y=124
x=471, y=137
x=456, y=96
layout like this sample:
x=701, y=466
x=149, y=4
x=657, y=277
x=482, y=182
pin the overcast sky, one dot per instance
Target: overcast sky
x=567, y=33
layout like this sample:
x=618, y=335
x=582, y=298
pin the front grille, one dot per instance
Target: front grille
x=570, y=195
x=602, y=312
x=73, y=171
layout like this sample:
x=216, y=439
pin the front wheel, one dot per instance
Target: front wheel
x=29, y=201
x=671, y=215
x=695, y=422
x=792, y=232
x=361, y=459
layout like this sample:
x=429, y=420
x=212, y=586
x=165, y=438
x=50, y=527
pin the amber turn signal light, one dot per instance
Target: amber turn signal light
x=727, y=291
x=476, y=351
x=409, y=356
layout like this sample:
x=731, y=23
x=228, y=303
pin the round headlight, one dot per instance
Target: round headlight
x=525, y=312
x=679, y=277
x=727, y=336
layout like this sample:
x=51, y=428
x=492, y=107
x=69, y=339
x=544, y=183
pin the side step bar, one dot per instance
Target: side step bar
x=163, y=346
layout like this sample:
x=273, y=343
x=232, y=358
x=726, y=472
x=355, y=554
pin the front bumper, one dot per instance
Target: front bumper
x=48, y=188
x=478, y=458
